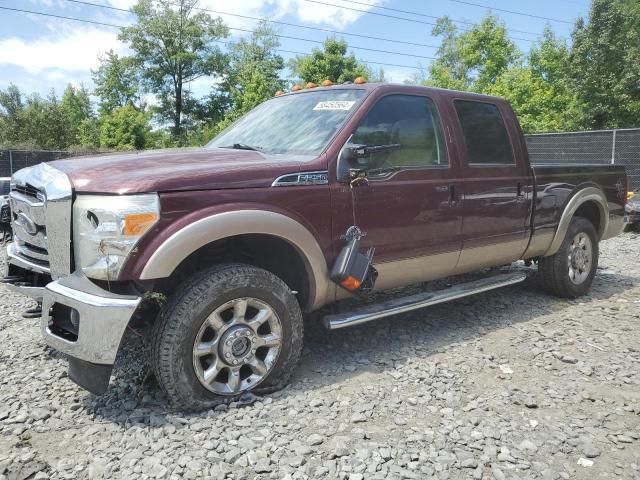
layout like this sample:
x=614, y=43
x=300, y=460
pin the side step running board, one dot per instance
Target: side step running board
x=420, y=300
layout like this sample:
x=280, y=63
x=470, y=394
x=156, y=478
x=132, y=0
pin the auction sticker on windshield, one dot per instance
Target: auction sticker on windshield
x=334, y=105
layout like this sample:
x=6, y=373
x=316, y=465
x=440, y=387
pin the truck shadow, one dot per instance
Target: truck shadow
x=331, y=358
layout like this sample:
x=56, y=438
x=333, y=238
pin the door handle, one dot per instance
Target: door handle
x=452, y=193
x=520, y=195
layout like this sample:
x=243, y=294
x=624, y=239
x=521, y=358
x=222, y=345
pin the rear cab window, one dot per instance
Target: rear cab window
x=484, y=132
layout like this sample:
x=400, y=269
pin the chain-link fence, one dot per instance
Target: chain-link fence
x=618, y=147
x=13, y=160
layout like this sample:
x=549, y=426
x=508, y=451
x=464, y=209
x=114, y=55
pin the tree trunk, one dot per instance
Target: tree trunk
x=178, y=111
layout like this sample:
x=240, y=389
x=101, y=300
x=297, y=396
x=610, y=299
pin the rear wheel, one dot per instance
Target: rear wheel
x=570, y=272
x=232, y=329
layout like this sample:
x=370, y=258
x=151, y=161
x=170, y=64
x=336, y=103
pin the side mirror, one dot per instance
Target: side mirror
x=351, y=156
x=355, y=156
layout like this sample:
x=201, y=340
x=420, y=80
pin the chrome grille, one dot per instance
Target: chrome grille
x=40, y=201
x=29, y=191
x=29, y=225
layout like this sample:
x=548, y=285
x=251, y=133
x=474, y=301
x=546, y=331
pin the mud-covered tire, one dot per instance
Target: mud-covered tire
x=556, y=271
x=172, y=353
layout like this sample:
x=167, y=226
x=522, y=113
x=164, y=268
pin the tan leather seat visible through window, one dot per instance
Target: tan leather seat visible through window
x=417, y=138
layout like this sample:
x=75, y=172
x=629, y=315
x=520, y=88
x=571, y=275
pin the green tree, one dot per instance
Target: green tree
x=89, y=133
x=11, y=115
x=75, y=108
x=539, y=89
x=534, y=100
x=484, y=60
x=449, y=70
x=331, y=62
x=47, y=122
x=43, y=123
x=174, y=44
x=253, y=74
x=606, y=64
x=117, y=82
x=32, y=121
x=488, y=52
x=472, y=60
x=126, y=128
x=550, y=59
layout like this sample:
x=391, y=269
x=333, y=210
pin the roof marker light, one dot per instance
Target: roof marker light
x=360, y=80
x=327, y=83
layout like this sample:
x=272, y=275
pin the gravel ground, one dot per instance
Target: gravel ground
x=508, y=384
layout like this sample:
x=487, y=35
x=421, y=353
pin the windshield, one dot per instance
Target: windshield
x=302, y=123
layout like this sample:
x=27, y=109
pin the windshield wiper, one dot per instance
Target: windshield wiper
x=243, y=146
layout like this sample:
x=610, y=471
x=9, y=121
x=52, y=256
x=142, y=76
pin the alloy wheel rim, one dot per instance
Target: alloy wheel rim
x=237, y=346
x=580, y=258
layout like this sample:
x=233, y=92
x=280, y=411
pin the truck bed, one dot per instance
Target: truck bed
x=556, y=183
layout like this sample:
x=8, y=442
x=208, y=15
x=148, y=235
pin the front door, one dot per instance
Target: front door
x=409, y=209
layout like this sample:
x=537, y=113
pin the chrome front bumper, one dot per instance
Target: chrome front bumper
x=100, y=317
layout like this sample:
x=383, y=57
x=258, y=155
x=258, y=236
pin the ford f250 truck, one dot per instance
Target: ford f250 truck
x=312, y=197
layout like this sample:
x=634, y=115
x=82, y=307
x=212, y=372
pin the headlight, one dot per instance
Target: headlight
x=107, y=228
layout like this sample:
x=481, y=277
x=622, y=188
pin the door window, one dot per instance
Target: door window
x=407, y=120
x=485, y=136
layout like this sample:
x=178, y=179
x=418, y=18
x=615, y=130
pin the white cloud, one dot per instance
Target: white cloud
x=67, y=51
x=56, y=76
x=122, y=3
x=303, y=11
x=77, y=50
x=331, y=15
x=399, y=75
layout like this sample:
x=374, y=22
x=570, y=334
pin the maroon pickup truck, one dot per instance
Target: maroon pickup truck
x=312, y=197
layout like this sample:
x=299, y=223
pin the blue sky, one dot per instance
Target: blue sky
x=40, y=53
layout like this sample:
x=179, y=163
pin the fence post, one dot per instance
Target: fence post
x=613, y=147
x=10, y=163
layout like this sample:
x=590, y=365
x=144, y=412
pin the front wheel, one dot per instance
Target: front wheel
x=570, y=272
x=232, y=329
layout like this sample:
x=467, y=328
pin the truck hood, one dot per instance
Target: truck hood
x=174, y=170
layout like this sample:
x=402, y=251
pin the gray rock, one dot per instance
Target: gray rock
x=497, y=474
x=262, y=466
x=339, y=447
x=39, y=414
x=589, y=450
x=528, y=446
x=97, y=468
x=232, y=455
x=315, y=439
x=452, y=412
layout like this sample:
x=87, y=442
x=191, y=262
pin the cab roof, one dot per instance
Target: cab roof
x=402, y=88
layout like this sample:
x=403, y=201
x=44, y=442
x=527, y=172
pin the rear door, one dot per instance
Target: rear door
x=409, y=209
x=496, y=184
